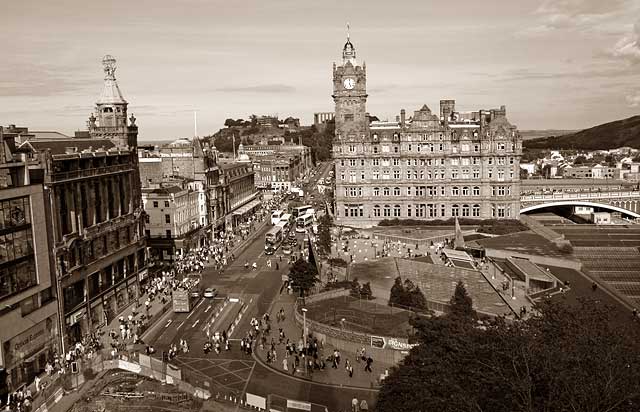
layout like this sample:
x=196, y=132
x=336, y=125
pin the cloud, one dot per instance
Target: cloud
x=633, y=100
x=628, y=47
x=36, y=80
x=265, y=88
x=583, y=15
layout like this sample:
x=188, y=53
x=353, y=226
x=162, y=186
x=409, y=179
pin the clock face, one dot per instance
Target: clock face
x=349, y=83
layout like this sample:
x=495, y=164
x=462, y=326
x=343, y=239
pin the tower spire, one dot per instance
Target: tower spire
x=348, y=31
x=348, y=51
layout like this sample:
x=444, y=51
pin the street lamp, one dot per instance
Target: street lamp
x=304, y=336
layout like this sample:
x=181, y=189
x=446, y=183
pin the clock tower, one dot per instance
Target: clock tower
x=350, y=96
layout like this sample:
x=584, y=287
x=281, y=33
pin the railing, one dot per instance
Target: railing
x=98, y=171
x=579, y=196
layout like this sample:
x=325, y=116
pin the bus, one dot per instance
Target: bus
x=300, y=211
x=273, y=238
x=303, y=223
x=276, y=216
x=284, y=223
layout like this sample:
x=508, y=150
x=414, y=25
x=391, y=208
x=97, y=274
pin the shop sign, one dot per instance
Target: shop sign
x=303, y=406
x=378, y=342
x=75, y=318
x=27, y=343
x=397, y=344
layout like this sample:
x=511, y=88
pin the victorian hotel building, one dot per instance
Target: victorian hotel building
x=428, y=166
x=93, y=196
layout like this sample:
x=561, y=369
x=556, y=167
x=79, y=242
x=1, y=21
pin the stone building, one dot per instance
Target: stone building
x=239, y=193
x=277, y=172
x=428, y=166
x=255, y=151
x=96, y=214
x=173, y=219
x=28, y=314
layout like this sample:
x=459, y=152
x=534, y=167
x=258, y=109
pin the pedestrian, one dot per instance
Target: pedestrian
x=354, y=404
x=364, y=406
x=285, y=364
x=369, y=362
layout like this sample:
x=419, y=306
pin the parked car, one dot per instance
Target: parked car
x=210, y=293
x=269, y=251
x=286, y=250
x=195, y=293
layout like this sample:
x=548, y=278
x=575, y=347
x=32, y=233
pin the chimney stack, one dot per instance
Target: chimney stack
x=402, y=118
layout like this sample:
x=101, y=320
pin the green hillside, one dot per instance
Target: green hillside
x=611, y=135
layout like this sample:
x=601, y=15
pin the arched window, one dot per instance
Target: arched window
x=455, y=191
x=396, y=191
x=385, y=191
x=465, y=191
x=476, y=191
x=476, y=211
x=376, y=211
x=387, y=211
x=465, y=210
x=376, y=191
x=396, y=211
x=455, y=210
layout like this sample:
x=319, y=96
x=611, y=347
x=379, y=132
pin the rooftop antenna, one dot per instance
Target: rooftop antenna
x=347, y=31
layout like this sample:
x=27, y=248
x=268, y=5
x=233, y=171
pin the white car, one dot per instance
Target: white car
x=210, y=293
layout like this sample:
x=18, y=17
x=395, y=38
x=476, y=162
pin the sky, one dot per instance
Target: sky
x=555, y=64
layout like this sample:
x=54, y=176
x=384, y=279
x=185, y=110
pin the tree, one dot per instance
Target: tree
x=524, y=174
x=461, y=304
x=355, y=288
x=303, y=276
x=566, y=357
x=418, y=301
x=579, y=160
x=324, y=235
x=397, y=292
x=365, y=291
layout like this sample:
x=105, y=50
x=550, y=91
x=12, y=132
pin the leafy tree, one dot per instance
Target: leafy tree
x=417, y=299
x=324, y=235
x=461, y=304
x=229, y=122
x=303, y=276
x=365, y=291
x=565, y=358
x=355, y=288
x=579, y=160
x=524, y=174
x=397, y=292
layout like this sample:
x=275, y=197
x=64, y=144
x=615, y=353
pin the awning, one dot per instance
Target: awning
x=246, y=208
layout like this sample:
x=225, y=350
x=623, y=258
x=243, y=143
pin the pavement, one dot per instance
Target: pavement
x=329, y=375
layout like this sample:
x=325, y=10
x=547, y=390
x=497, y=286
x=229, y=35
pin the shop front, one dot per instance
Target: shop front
x=26, y=354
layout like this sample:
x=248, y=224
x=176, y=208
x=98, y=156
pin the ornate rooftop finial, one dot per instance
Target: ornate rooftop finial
x=109, y=65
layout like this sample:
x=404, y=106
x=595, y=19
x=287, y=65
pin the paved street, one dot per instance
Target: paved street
x=233, y=370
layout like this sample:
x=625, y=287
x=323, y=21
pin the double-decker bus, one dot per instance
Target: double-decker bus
x=301, y=211
x=276, y=216
x=285, y=221
x=303, y=223
x=273, y=238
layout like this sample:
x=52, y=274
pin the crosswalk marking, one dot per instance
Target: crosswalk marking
x=168, y=323
x=195, y=323
x=180, y=325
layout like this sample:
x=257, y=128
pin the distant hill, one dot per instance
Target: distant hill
x=625, y=132
x=536, y=134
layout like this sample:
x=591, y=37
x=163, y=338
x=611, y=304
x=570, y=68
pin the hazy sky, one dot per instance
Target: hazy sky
x=553, y=63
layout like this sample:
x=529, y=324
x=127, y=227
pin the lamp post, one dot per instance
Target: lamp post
x=304, y=336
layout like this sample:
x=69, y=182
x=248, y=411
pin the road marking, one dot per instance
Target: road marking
x=196, y=322
x=207, y=309
x=180, y=325
x=168, y=323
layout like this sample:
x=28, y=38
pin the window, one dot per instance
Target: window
x=476, y=174
x=476, y=191
x=501, y=146
x=396, y=174
x=420, y=210
x=362, y=175
x=375, y=175
x=408, y=190
x=490, y=160
x=490, y=174
x=396, y=191
x=376, y=162
x=475, y=211
x=167, y=218
x=396, y=211
x=408, y=210
x=396, y=149
x=455, y=210
x=454, y=174
x=475, y=160
x=348, y=117
x=420, y=190
x=502, y=161
x=342, y=176
x=166, y=203
x=476, y=148
x=352, y=148
x=155, y=203
x=455, y=191
x=396, y=162
x=385, y=191
x=465, y=210
x=361, y=162
x=147, y=219
x=376, y=191
x=341, y=162
x=465, y=191
x=465, y=161
x=387, y=211
x=385, y=175
x=376, y=211
x=500, y=174
x=352, y=176
x=465, y=147
x=408, y=174
x=465, y=173
x=28, y=305
x=352, y=162
x=168, y=232
x=375, y=149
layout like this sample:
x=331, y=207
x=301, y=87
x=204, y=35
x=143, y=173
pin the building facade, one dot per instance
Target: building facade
x=173, y=219
x=96, y=215
x=277, y=172
x=428, y=166
x=28, y=317
x=239, y=192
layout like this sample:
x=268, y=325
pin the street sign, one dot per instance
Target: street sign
x=378, y=342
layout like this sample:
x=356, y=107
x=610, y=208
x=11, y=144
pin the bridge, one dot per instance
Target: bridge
x=611, y=195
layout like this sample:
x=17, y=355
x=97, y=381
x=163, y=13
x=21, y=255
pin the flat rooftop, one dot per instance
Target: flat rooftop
x=523, y=242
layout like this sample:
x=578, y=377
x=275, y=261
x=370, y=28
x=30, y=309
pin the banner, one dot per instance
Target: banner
x=256, y=401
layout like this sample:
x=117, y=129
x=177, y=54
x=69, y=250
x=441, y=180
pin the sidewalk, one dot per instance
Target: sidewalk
x=329, y=375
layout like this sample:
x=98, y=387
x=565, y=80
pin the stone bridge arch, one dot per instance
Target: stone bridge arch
x=611, y=208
